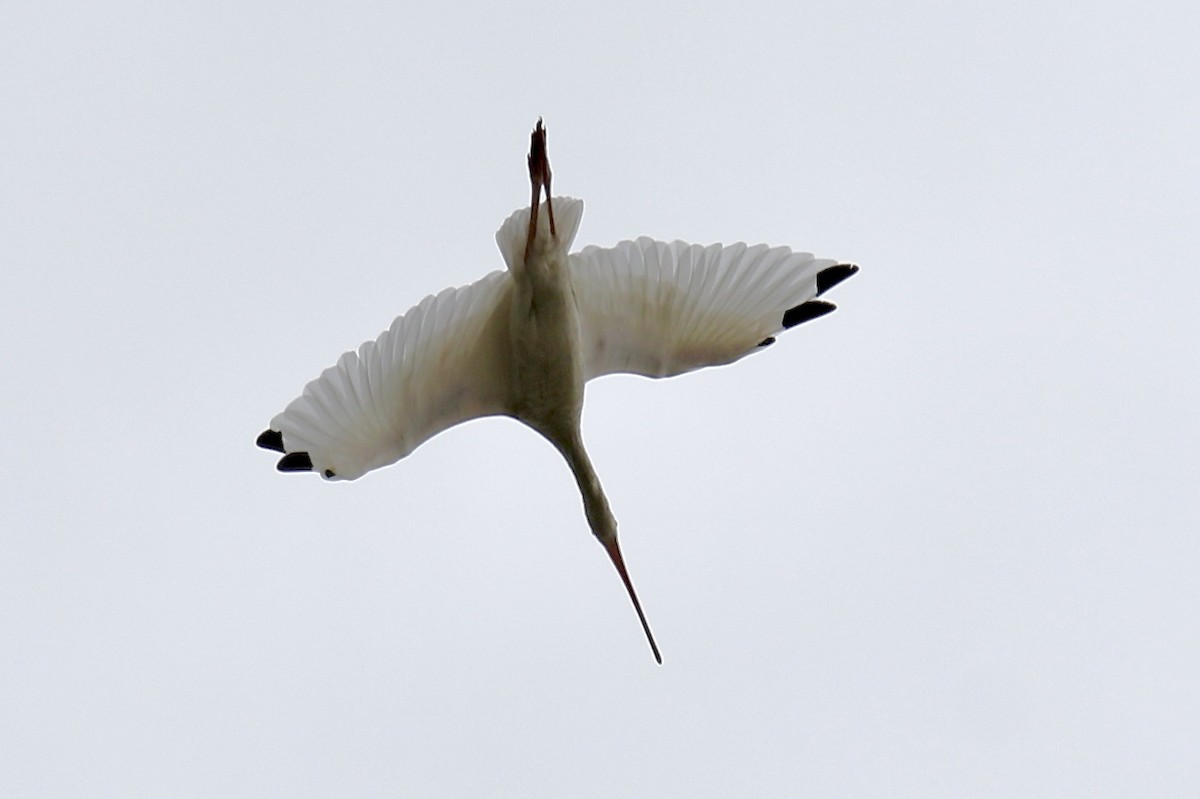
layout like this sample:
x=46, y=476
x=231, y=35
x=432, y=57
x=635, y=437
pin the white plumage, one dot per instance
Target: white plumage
x=522, y=342
x=660, y=310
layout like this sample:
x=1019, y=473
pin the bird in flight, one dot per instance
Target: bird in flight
x=522, y=342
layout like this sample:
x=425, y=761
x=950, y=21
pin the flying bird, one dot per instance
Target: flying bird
x=523, y=341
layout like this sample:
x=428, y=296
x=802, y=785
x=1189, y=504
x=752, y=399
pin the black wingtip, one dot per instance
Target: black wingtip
x=830, y=276
x=271, y=439
x=766, y=342
x=295, y=462
x=807, y=311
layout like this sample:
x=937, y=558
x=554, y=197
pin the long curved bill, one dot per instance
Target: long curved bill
x=614, y=552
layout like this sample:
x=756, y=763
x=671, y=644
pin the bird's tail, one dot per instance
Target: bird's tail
x=512, y=235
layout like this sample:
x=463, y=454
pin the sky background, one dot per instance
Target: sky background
x=943, y=542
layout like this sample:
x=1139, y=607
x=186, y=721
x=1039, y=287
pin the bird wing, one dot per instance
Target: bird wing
x=441, y=363
x=656, y=309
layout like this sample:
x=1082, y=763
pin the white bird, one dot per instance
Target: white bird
x=523, y=342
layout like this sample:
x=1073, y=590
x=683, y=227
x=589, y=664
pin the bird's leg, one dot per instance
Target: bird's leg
x=533, y=209
x=539, y=178
x=546, y=183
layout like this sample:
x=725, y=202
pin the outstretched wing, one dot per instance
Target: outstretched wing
x=441, y=363
x=657, y=309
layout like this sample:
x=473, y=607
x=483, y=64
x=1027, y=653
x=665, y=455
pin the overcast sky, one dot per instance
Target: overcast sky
x=943, y=542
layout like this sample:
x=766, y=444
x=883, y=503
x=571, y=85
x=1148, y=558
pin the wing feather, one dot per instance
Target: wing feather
x=657, y=309
x=441, y=363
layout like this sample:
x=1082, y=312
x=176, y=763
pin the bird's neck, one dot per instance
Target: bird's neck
x=595, y=504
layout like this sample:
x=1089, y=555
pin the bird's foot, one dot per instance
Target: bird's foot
x=539, y=178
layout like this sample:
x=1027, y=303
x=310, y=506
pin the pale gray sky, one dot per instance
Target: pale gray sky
x=943, y=542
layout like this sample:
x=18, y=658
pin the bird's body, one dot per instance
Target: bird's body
x=524, y=342
x=547, y=368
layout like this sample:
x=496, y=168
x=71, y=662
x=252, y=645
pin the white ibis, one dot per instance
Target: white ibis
x=523, y=342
